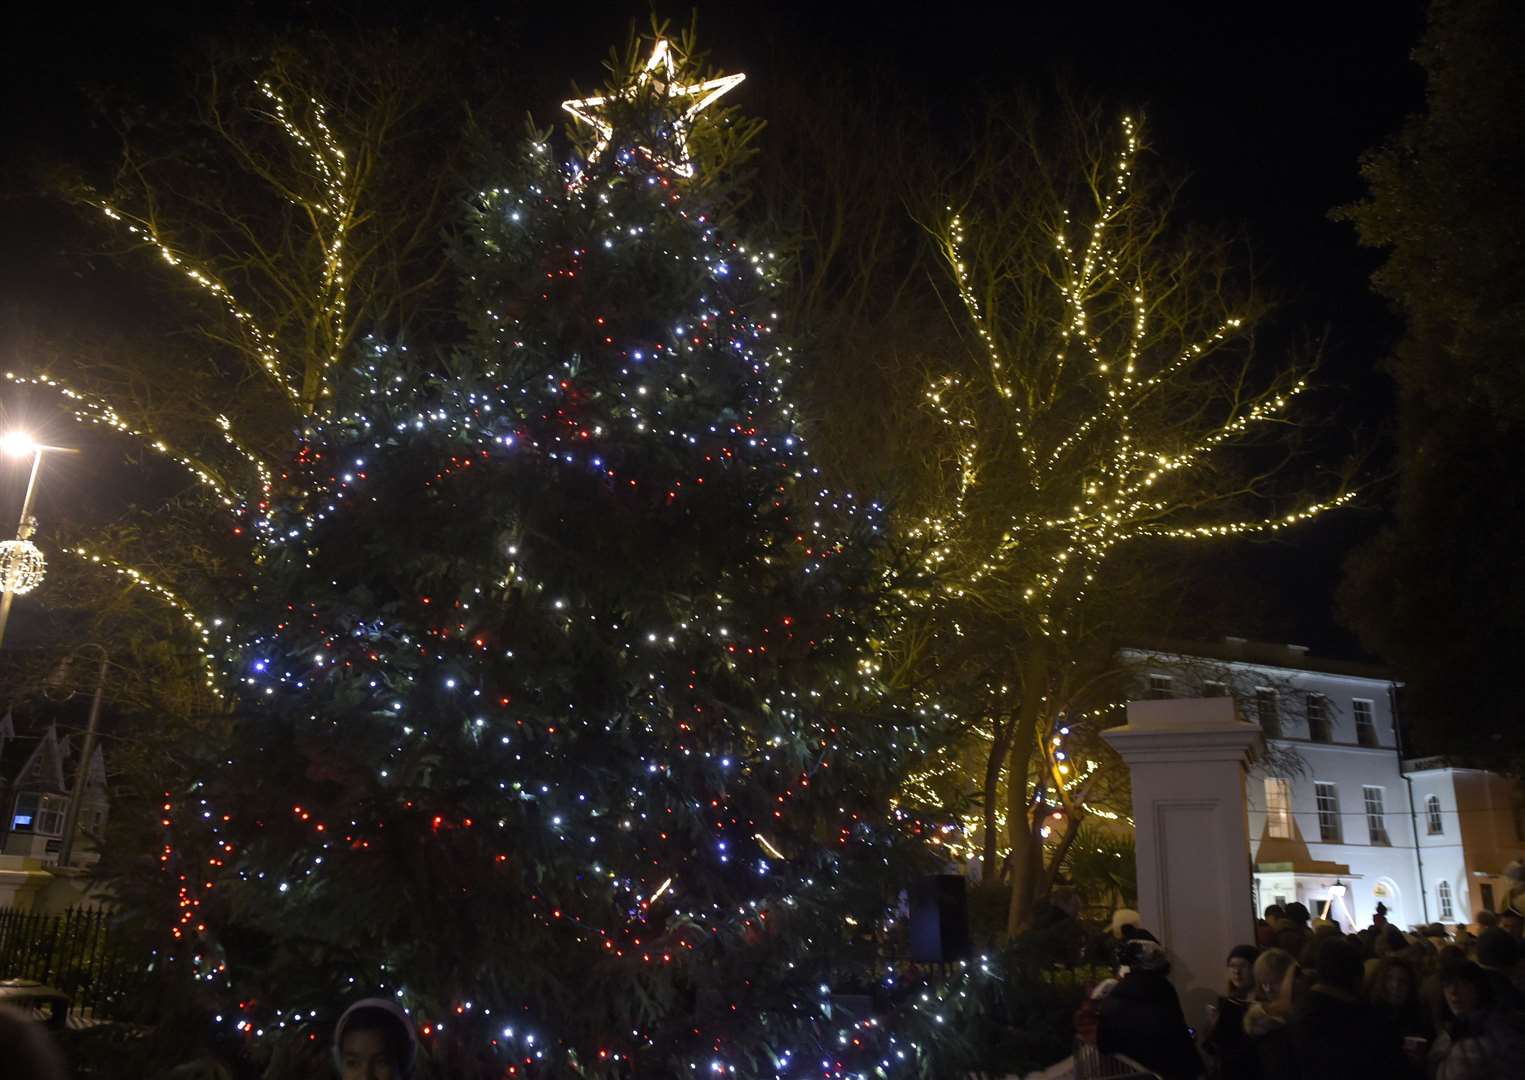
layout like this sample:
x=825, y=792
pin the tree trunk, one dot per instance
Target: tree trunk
x=1026, y=844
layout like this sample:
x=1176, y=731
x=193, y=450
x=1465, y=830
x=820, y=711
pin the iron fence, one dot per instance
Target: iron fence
x=76, y=952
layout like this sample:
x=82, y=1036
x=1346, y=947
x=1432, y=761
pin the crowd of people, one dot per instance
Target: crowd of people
x=1305, y=999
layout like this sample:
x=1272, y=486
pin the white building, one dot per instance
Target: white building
x=1338, y=819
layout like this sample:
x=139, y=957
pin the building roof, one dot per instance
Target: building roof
x=1262, y=654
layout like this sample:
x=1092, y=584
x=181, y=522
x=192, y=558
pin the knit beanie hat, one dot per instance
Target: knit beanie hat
x=388, y=1013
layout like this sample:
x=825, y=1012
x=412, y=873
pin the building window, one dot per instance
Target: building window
x=1432, y=816
x=1485, y=889
x=1366, y=722
x=1267, y=712
x=1376, y=822
x=40, y=814
x=1318, y=718
x=1160, y=686
x=1443, y=894
x=1327, y=800
x=1214, y=688
x=1328, y=812
x=1278, y=808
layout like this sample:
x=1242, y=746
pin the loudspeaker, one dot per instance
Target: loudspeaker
x=939, y=919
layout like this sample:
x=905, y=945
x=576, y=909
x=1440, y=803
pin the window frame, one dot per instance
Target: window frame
x=1319, y=730
x=1268, y=705
x=1366, y=734
x=1215, y=688
x=1434, y=824
x=1329, y=825
x=1444, y=901
x=1376, y=815
x=1278, y=813
x=1161, y=686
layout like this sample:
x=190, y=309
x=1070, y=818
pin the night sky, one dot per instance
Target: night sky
x=1268, y=107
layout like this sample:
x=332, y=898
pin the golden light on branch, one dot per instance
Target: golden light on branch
x=1111, y=451
x=330, y=213
x=91, y=409
x=201, y=627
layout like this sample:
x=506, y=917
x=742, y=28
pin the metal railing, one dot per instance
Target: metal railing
x=78, y=953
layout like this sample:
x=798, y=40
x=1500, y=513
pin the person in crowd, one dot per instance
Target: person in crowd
x=1498, y=955
x=1477, y=1040
x=1333, y=1032
x=1265, y=1021
x=1393, y=988
x=1485, y=920
x=375, y=1040
x=1231, y=1054
x=26, y=1052
x=1294, y=932
x=1141, y=1017
x=1512, y=923
x=1267, y=928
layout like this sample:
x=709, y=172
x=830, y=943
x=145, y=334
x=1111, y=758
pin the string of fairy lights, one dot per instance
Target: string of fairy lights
x=743, y=778
x=786, y=749
x=1109, y=474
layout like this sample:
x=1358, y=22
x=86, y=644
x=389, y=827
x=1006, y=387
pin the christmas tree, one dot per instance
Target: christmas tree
x=558, y=714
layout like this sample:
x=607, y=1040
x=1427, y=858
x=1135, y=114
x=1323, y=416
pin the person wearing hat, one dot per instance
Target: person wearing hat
x=1228, y=1044
x=1332, y=1031
x=1294, y=933
x=374, y=1040
x=1141, y=1017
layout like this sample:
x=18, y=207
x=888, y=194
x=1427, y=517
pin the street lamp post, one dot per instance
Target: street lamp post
x=82, y=773
x=21, y=563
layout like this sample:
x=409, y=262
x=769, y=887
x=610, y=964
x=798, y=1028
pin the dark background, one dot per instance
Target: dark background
x=1267, y=107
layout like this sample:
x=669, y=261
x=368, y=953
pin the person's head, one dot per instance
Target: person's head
x=1496, y=949
x=1241, y=969
x=374, y=1040
x=1274, y=914
x=1389, y=942
x=1393, y=983
x=1485, y=920
x=1296, y=913
x=1466, y=988
x=1338, y=963
x=1271, y=968
x=1123, y=920
x=1512, y=923
x=1141, y=955
x=25, y=1048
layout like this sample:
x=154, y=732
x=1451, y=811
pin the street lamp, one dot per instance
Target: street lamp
x=22, y=565
x=82, y=772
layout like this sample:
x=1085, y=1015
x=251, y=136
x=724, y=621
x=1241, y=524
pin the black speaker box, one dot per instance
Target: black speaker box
x=939, y=919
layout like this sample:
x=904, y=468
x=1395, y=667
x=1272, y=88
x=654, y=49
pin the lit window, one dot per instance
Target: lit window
x=1376, y=821
x=1328, y=812
x=1366, y=724
x=1443, y=894
x=1432, y=815
x=1161, y=686
x=41, y=814
x=1278, y=808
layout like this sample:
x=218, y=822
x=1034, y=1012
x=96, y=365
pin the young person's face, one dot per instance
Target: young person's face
x=364, y=1056
x=1241, y=975
x=1396, y=986
x=1461, y=997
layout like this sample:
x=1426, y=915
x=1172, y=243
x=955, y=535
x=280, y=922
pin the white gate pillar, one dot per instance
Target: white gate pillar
x=1187, y=757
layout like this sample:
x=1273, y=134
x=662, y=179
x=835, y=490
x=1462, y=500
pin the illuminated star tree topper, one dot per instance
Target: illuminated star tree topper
x=658, y=78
